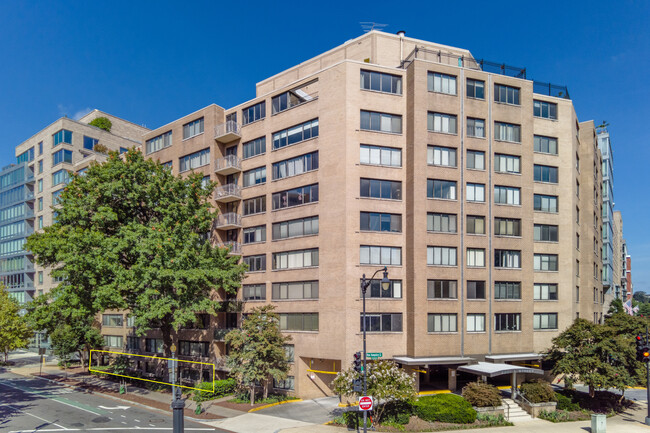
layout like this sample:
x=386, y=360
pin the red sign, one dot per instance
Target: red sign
x=365, y=403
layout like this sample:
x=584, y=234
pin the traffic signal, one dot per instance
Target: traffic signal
x=356, y=363
x=645, y=354
x=640, y=347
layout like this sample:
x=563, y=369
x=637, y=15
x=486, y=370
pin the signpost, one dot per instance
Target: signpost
x=365, y=403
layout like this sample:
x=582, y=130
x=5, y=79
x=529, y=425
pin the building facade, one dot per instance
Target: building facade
x=618, y=260
x=477, y=188
x=605, y=146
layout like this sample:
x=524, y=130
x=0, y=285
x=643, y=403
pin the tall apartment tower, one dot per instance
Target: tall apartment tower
x=618, y=259
x=46, y=160
x=470, y=182
x=607, y=236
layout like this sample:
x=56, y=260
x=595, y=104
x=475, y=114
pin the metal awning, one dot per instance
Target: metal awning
x=441, y=360
x=491, y=369
x=513, y=357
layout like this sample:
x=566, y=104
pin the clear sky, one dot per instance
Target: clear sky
x=152, y=62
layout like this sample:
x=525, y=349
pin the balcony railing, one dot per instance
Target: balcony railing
x=227, y=221
x=227, y=132
x=227, y=193
x=229, y=164
x=235, y=247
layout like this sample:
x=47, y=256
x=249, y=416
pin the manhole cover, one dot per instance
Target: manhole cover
x=101, y=419
x=76, y=424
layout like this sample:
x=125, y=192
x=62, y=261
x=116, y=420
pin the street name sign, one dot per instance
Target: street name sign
x=374, y=355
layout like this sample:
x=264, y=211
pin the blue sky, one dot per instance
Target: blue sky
x=152, y=62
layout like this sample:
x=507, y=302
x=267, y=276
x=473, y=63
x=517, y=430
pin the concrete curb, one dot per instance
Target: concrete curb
x=255, y=409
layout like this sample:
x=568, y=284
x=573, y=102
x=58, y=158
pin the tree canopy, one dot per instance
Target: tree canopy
x=131, y=236
x=102, y=123
x=14, y=331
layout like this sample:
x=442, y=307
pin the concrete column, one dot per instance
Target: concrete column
x=513, y=383
x=451, y=379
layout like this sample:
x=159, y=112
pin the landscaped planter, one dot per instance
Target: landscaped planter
x=491, y=410
x=534, y=409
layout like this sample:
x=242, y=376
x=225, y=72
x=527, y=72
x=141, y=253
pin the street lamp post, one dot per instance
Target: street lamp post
x=178, y=404
x=385, y=284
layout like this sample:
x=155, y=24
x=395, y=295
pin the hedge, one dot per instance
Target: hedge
x=538, y=391
x=221, y=388
x=445, y=408
x=481, y=394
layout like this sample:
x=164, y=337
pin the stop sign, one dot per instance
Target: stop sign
x=365, y=403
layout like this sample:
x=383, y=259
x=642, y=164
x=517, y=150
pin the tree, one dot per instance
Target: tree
x=14, y=330
x=257, y=351
x=131, y=236
x=640, y=296
x=102, y=123
x=386, y=382
x=616, y=306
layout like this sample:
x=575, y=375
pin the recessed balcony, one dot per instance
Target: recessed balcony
x=235, y=247
x=229, y=221
x=227, y=193
x=229, y=164
x=227, y=132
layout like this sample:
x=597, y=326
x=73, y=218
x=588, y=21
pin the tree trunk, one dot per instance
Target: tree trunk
x=266, y=388
x=168, y=339
x=6, y=356
x=252, y=394
x=592, y=391
x=81, y=358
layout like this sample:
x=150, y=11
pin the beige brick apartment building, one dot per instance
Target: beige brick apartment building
x=479, y=189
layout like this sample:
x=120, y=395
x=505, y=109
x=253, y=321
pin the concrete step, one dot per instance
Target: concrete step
x=515, y=413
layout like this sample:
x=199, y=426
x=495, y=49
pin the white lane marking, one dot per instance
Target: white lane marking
x=27, y=413
x=136, y=420
x=53, y=399
x=44, y=430
x=114, y=408
x=133, y=428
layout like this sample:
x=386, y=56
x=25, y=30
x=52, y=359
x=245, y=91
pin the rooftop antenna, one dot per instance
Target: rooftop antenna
x=369, y=26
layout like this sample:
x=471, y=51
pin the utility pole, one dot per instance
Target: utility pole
x=647, y=385
x=178, y=404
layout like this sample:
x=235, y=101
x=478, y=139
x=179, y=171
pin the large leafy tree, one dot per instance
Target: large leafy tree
x=257, y=351
x=14, y=331
x=131, y=236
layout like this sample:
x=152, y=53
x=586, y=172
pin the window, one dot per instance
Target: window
x=153, y=345
x=476, y=290
x=507, y=290
x=545, y=262
x=475, y=89
x=254, y=113
x=295, y=259
x=374, y=255
x=193, y=128
x=377, y=188
x=544, y=321
x=378, y=155
x=255, y=263
x=476, y=192
x=577, y=268
x=506, y=94
x=545, y=144
x=545, y=292
x=440, y=122
x=441, y=83
x=507, y=195
x=476, y=224
x=115, y=320
x=545, y=173
x=380, y=82
x=441, y=256
x=298, y=321
x=61, y=176
x=441, y=322
x=40, y=203
x=295, y=228
x=381, y=222
x=476, y=257
x=475, y=160
x=62, y=155
x=507, y=259
x=546, y=110
x=375, y=289
x=40, y=222
x=545, y=203
x=381, y=122
x=26, y=156
x=441, y=222
x=444, y=189
x=295, y=166
x=89, y=142
x=113, y=340
x=545, y=233
x=382, y=322
x=475, y=127
x=133, y=343
x=194, y=348
x=507, y=226
x=63, y=136
x=254, y=147
x=255, y=205
x=289, y=350
x=40, y=166
x=254, y=292
x=295, y=290
x=442, y=289
x=286, y=384
x=476, y=323
x=507, y=132
x=254, y=234
x=295, y=197
x=506, y=163
x=194, y=160
x=295, y=134
x=291, y=98
x=123, y=150
x=256, y=176
x=159, y=142
x=444, y=156
x=40, y=148
x=507, y=322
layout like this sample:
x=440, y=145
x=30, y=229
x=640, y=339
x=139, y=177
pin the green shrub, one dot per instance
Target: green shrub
x=565, y=403
x=538, y=391
x=481, y=394
x=221, y=388
x=492, y=420
x=445, y=408
x=396, y=412
x=102, y=123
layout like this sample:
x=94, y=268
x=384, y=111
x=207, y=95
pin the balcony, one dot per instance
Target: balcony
x=227, y=165
x=235, y=247
x=227, y=193
x=228, y=221
x=220, y=333
x=227, y=132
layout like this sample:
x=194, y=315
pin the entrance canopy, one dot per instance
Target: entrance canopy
x=442, y=360
x=490, y=369
x=513, y=357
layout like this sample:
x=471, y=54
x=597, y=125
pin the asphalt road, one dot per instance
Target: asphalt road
x=37, y=405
